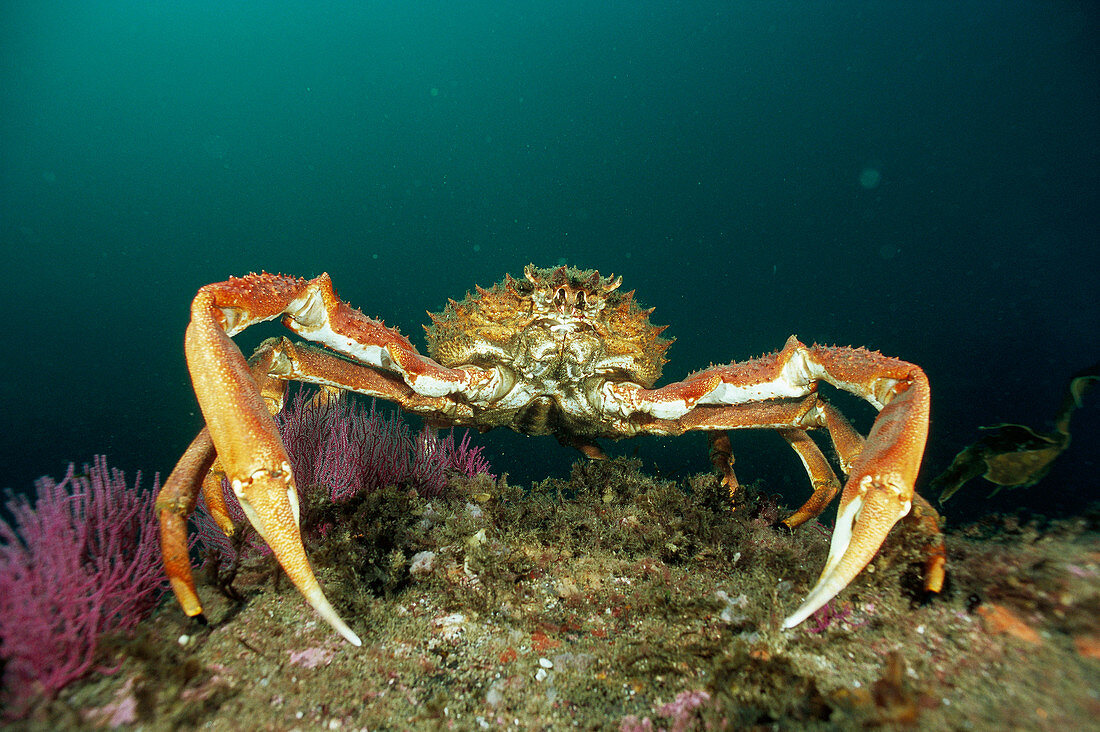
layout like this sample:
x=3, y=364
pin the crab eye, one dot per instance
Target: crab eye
x=580, y=299
x=559, y=297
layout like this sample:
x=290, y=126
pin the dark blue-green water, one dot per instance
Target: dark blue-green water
x=920, y=178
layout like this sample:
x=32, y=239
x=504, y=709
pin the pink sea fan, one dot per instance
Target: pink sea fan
x=344, y=447
x=464, y=459
x=681, y=710
x=349, y=448
x=81, y=561
x=428, y=470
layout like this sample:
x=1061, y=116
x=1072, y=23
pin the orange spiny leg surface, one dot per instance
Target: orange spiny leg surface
x=768, y=392
x=175, y=502
x=241, y=429
x=822, y=478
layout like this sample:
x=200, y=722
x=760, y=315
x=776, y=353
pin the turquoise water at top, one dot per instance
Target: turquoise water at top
x=917, y=178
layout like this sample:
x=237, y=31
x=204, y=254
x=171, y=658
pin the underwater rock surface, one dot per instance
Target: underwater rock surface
x=615, y=600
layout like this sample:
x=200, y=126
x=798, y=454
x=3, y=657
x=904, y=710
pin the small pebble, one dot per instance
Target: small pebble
x=422, y=563
x=546, y=663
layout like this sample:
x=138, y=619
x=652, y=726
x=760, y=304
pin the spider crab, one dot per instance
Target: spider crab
x=562, y=352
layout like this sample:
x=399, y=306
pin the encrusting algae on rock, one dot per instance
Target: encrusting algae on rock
x=612, y=599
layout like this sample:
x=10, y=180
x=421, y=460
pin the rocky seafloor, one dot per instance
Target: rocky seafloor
x=615, y=600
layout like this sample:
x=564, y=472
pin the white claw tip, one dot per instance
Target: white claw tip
x=798, y=616
x=321, y=604
x=342, y=628
x=825, y=590
x=352, y=638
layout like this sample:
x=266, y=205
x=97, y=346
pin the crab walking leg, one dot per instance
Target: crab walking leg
x=311, y=365
x=720, y=453
x=848, y=444
x=175, y=502
x=790, y=418
x=312, y=309
x=237, y=406
x=927, y=520
x=879, y=490
x=215, y=498
x=250, y=449
x=822, y=477
x=199, y=466
x=273, y=392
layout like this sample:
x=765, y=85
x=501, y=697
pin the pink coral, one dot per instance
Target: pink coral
x=463, y=459
x=832, y=614
x=312, y=657
x=681, y=710
x=349, y=449
x=82, y=561
x=121, y=711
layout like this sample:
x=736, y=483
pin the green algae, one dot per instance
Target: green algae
x=612, y=600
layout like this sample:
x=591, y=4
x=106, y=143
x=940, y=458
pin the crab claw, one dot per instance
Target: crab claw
x=869, y=508
x=252, y=454
x=879, y=492
x=270, y=502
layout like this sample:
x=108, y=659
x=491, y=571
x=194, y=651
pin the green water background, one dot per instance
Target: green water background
x=919, y=178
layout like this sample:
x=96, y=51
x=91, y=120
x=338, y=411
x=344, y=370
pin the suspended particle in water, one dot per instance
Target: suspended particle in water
x=870, y=178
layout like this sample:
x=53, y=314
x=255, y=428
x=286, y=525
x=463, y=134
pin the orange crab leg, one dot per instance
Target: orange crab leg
x=199, y=467
x=848, y=444
x=175, y=502
x=237, y=401
x=721, y=457
x=215, y=498
x=935, y=550
x=290, y=361
x=822, y=478
x=312, y=309
x=880, y=486
x=250, y=449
